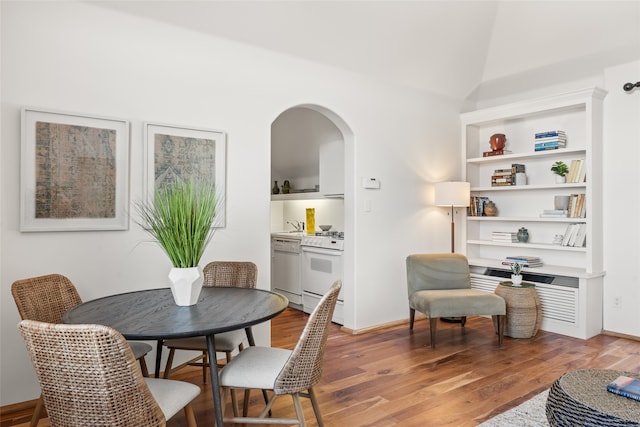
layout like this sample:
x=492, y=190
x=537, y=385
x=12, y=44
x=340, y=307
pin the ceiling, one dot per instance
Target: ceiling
x=445, y=47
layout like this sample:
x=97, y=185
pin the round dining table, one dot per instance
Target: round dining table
x=153, y=315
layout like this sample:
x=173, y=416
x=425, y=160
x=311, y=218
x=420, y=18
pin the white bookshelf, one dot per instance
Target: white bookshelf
x=579, y=114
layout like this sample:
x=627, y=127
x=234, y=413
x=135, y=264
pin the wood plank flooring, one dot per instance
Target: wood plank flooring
x=393, y=378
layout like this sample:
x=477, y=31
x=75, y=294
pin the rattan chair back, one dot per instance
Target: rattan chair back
x=89, y=376
x=237, y=274
x=45, y=298
x=304, y=367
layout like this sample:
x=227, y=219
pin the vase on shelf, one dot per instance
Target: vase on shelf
x=561, y=179
x=275, y=189
x=286, y=187
x=490, y=209
x=523, y=235
x=516, y=279
x=186, y=285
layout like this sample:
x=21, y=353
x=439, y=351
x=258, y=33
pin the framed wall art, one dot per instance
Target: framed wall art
x=74, y=172
x=175, y=152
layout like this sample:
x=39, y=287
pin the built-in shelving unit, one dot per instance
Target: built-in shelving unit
x=579, y=114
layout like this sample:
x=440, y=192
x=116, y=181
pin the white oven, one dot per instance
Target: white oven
x=321, y=266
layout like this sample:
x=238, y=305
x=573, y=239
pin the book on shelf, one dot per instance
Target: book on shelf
x=575, y=235
x=495, y=153
x=549, y=145
x=476, y=205
x=526, y=261
x=577, y=171
x=577, y=206
x=549, y=133
x=504, y=236
x=551, y=139
x=538, y=149
x=554, y=213
x=625, y=386
x=501, y=184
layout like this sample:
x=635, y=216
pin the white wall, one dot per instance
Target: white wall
x=80, y=58
x=621, y=201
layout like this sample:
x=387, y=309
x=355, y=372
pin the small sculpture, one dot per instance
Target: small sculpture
x=497, y=141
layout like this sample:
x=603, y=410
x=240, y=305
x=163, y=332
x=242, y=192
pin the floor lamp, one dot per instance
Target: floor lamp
x=452, y=194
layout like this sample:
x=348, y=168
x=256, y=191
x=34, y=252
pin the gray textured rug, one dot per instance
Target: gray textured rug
x=528, y=414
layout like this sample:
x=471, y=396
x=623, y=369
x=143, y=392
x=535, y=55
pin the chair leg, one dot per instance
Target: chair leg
x=37, y=412
x=299, y=411
x=245, y=402
x=143, y=367
x=463, y=320
x=433, y=322
x=167, y=367
x=190, y=416
x=412, y=317
x=501, y=319
x=316, y=407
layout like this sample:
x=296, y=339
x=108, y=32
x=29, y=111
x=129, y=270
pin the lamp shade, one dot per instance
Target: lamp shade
x=452, y=193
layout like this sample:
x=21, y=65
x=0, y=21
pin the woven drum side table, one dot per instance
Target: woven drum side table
x=524, y=312
x=580, y=398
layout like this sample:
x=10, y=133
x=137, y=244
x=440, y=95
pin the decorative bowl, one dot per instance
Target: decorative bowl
x=325, y=227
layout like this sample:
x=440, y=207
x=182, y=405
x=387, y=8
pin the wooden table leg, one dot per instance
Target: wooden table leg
x=215, y=381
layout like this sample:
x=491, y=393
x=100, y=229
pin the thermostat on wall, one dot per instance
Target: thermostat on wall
x=370, y=183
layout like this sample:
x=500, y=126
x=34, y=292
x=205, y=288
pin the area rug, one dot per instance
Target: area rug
x=528, y=414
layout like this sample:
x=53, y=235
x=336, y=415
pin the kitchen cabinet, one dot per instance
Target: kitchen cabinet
x=331, y=168
x=571, y=279
x=285, y=268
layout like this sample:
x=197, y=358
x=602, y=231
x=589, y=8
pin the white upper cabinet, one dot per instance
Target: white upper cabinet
x=332, y=168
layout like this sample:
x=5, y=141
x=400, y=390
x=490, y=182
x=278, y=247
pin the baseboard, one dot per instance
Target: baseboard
x=619, y=335
x=380, y=326
x=21, y=411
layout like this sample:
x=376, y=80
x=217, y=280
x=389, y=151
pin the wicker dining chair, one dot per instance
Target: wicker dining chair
x=46, y=298
x=88, y=376
x=239, y=274
x=293, y=372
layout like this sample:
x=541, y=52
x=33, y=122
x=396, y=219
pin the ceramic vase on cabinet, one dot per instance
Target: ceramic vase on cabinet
x=186, y=285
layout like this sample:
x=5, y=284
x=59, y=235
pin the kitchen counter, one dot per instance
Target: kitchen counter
x=289, y=234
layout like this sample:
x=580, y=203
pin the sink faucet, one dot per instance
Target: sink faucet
x=297, y=225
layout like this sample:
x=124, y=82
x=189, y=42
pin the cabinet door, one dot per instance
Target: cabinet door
x=332, y=168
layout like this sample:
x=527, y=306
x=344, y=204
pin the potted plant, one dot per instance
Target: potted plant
x=561, y=170
x=179, y=218
x=516, y=277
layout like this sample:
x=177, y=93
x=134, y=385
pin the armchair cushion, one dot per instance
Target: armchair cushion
x=456, y=303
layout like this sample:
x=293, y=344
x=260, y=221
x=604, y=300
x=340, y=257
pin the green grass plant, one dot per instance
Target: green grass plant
x=180, y=218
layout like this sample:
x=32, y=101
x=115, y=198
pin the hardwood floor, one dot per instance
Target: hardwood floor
x=393, y=378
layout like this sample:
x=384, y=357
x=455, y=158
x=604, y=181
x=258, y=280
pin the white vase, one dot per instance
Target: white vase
x=186, y=285
x=516, y=279
x=561, y=179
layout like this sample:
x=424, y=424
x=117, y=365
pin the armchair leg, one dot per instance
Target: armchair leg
x=501, y=319
x=433, y=322
x=412, y=317
x=463, y=320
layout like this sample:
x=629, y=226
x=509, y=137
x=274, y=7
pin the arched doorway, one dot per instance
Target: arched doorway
x=301, y=136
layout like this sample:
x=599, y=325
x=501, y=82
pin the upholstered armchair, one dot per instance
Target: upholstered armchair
x=439, y=285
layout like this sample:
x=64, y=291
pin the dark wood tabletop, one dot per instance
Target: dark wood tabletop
x=152, y=314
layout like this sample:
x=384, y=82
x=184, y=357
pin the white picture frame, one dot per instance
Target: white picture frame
x=173, y=151
x=74, y=172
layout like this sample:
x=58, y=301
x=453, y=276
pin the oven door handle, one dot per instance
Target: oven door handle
x=331, y=252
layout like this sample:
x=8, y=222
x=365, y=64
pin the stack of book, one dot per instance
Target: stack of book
x=476, y=205
x=575, y=235
x=504, y=236
x=502, y=177
x=550, y=140
x=526, y=261
x=506, y=177
x=554, y=213
x=577, y=171
x=577, y=206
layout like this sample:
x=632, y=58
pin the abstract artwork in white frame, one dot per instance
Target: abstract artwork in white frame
x=74, y=172
x=179, y=152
